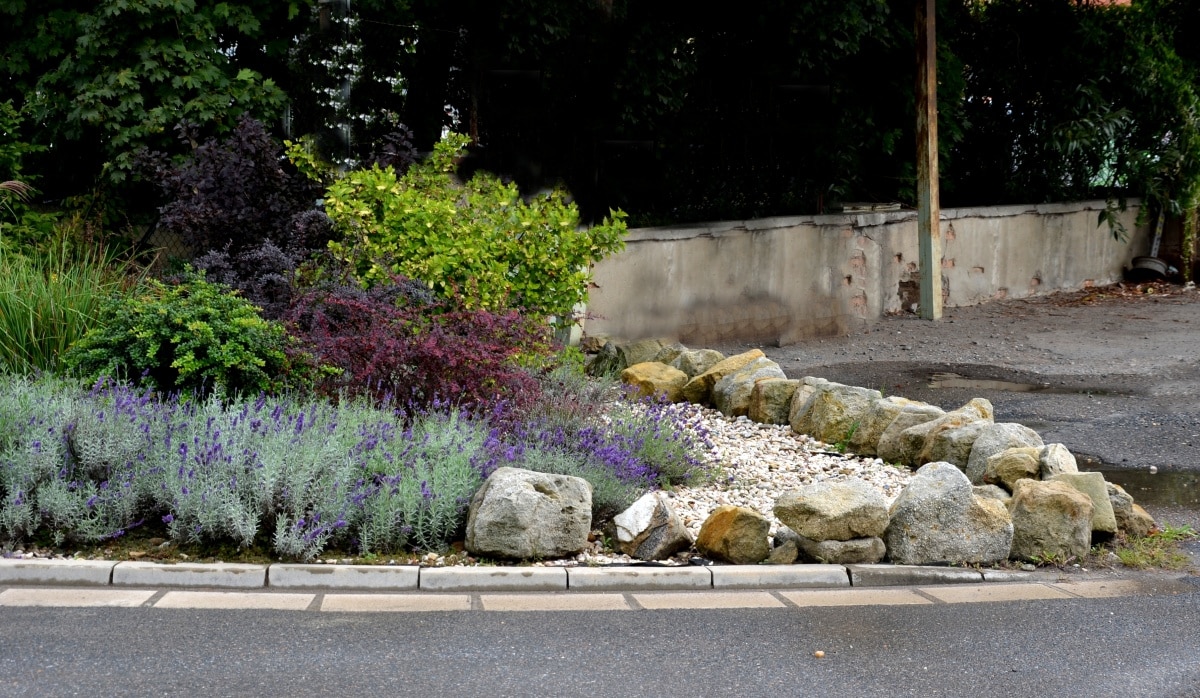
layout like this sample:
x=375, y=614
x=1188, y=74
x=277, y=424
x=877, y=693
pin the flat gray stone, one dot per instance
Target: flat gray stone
x=638, y=578
x=493, y=579
x=190, y=574
x=910, y=575
x=779, y=576
x=1007, y=576
x=37, y=571
x=382, y=577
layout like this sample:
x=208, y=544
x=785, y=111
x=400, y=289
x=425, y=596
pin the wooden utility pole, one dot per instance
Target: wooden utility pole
x=929, y=210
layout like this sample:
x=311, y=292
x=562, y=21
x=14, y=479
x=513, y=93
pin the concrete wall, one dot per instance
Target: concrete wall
x=779, y=280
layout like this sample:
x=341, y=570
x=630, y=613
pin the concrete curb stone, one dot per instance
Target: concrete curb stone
x=378, y=577
x=910, y=575
x=39, y=571
x=639, y=578
x=185, y=574
x=493, y=579
x=779, y=576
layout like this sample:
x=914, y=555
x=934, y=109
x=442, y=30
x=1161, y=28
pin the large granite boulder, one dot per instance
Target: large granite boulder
x=1050, y=520
x=696, y=361
x=994, y=439
x=524, y=515
x=771, y=400
x=735, y=534
x=1104, y=519
x=1008, y=466
x=833, y=412
x=881, y=414
x=652, y=378
x=699, y=388
x=834, y=511
x=938, y=518
x=918, y=443
x=731, y=394
x=650, y=529
x=1132, y=520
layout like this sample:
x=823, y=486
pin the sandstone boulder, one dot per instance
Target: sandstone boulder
x=808, y=389
x=1132, y=520
x=1104, y=520
x=891, y=444
x=652, y=378
x=995, y=439
x=856, y=551
x=916, y=443
x=1010, y=465
x=696, y=361
x=834, y=412
x=882, y=413
x=1055, y=459
x=992, y=492
x=735, y=534
x=731, y=394
x=834, y=511
x=699, y=388
x=524, y=515
x=785, y=553
x=938, y=518
x=1050, y=520
x=669, y=353
x=952, y=444
x=650, y=529
x=770, y=401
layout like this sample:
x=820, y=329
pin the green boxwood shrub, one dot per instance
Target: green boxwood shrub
x=190, y=336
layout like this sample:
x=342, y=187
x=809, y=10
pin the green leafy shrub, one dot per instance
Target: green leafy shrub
x=191, y=336
x=479, y=240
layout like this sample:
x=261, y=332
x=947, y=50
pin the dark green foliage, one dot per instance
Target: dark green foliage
x=190, y=336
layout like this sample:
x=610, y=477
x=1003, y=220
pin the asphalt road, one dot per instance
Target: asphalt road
x=1129, y=647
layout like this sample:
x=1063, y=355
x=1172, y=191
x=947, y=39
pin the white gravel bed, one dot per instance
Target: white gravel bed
x=759, y=462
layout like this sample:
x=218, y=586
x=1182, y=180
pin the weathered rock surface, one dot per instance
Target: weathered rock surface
x=735, y=534
x=731, y=394
x=699, y=388
x=952, y=444
x=770, y=401
x=669, y=353
x=1010, y=465
x=523, y=514
x=641, y=351
x=917, y=442
x=785, y=553
x=652, y=378
x=1132, y=520
x=938, y=518
x=650, y=529
x=808, y=389
x=856, y=551
x=891, y=444
x=834, y=412
x=1055, y=459
x=997, y=438
x=1050, y=519
x=879, y=417
x=992, y=492
x=836, y=511
x=1104, y=520
x=696, y=361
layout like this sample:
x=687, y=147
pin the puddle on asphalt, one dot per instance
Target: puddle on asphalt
x=1163, y=489
x=954, y=380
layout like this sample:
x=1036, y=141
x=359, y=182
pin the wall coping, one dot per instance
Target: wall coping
x=716, y=229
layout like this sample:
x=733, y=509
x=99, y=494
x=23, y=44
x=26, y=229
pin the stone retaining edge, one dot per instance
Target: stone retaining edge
x=489, y=579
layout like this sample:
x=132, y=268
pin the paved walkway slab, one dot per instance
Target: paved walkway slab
x=213, y=600
x=855, y=597
x=980, y=593
x=66, y=597
x=387, y=603
x=554, y=602
x=708, y=600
